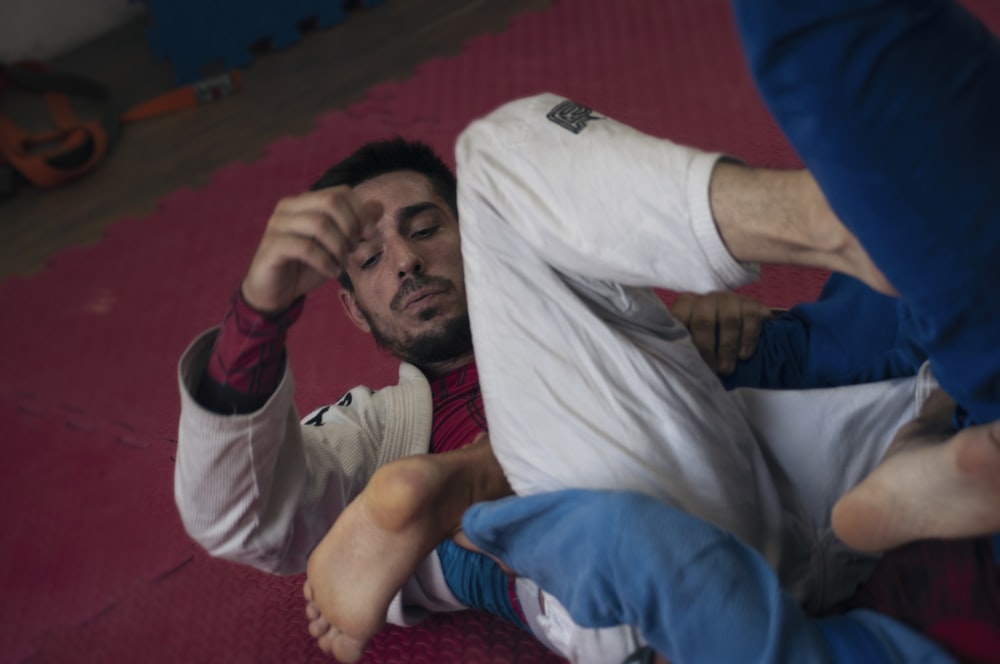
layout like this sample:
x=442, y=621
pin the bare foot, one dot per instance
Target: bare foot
x=319, y=628
x=408, y=508
x=933, y=483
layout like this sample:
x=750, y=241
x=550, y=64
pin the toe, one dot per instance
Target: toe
x=325, y=642
x=312, y=611
x=347, y=649
x=318, y=627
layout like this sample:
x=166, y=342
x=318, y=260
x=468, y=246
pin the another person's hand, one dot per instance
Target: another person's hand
x=306, y=242
x=724, y=326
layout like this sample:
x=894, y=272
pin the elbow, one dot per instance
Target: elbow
x=224, y=531
x=511, y=129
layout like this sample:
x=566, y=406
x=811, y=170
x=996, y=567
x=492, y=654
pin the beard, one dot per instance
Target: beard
x=451, y=339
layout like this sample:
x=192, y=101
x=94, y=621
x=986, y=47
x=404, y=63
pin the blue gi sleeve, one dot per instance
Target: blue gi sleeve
x=696, y=593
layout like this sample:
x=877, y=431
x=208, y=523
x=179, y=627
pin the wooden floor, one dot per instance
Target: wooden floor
x=283, y=92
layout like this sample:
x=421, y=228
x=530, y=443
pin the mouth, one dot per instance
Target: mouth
x=419, y=292
x=422, y=298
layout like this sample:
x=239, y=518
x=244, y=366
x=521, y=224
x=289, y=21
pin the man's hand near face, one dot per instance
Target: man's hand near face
x=306, y=242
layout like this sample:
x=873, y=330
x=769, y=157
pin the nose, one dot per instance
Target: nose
x=406, y=259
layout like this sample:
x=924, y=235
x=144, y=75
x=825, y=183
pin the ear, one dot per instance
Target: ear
x=350, y=303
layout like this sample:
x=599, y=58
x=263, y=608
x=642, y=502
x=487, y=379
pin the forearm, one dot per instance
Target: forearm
x=247, y=359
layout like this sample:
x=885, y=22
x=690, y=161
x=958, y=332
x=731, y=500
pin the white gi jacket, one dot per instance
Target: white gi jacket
x=262, y=488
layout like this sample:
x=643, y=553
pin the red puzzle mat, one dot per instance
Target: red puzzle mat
x=94, y=565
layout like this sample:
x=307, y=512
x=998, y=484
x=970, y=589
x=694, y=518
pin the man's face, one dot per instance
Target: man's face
x=409, y=288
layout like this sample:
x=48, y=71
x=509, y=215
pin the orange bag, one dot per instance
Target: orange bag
x=75, y=147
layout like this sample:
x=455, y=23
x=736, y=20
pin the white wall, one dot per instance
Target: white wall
x=43, y=29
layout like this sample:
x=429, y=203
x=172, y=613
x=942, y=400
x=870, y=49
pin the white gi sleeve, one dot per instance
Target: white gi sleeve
x=261, y=489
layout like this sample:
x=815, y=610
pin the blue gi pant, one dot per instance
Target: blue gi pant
x=893, y=106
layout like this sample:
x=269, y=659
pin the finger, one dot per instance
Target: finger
x=730, y=325
x=348, y=214
x=307, y=591
x=315, y=225
x=319, y=200
x=351, y=214
x=340, y=208
x=681, y=309
x=754, y=315
x=704, y=328
x=371, y=212
x=305, y=250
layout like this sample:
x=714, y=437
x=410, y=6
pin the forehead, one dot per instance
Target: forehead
x=397, y=189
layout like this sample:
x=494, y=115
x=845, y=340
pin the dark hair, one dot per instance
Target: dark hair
x=395, y=154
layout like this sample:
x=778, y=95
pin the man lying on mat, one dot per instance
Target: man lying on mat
x=611, y=393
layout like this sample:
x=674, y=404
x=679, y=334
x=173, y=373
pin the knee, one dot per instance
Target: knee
x=494, y=157
x=495, y=150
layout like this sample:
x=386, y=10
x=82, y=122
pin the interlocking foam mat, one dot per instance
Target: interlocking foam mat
x=94, y=564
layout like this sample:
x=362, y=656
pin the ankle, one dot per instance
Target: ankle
x=481, y=473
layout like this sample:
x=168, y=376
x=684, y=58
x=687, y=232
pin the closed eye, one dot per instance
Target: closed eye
x=423, y=233
x=371, y=261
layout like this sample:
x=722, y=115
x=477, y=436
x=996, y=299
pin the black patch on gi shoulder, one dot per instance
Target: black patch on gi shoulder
x=317, y=418
x=572, y=116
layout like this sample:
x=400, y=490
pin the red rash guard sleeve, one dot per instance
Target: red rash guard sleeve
x=247, y=359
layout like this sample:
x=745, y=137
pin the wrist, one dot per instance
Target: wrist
x=262, y=301
x=253, y=316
